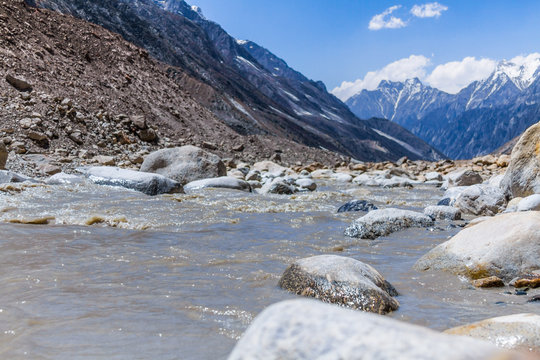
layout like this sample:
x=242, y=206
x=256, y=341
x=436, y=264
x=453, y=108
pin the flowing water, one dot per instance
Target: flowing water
x=119, y=275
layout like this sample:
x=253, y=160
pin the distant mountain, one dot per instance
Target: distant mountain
x=477, y=120
x=245, y=85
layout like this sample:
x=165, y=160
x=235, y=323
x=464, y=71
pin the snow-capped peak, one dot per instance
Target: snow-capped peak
x=241, y=42
x=522, y=70
x=198, y=10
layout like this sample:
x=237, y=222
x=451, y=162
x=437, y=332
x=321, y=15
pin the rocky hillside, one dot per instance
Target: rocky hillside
x=477, y=120
x=77, y=90
x=234, y=83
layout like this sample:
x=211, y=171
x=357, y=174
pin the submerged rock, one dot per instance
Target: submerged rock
x=384, y=222
x=505, y=246
x=148, y=183
x=224, y=182
x=523, y=174
x=184, y=164
x=307, y=329
x=516, y=332
x=443, y=212
x=357, y=205
x=340, y=280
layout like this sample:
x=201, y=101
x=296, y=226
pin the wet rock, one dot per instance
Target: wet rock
x=11, y=177
x=147, y=183
x=224, y=182
x=306, y=329
x=445, y=202
x=523, y=174
x=516, y=332
x=535, y=298
x=481, y=200
x=384, y=222
x=277, y=186
x=443, y=212
x=505, y=246
x=464, y=178
x=184, y=164
x=340, y=280
x=63, y=179
x=357, y=205
x=305, y=184
x=19, y=83
x=489, y=282
x=530, y=281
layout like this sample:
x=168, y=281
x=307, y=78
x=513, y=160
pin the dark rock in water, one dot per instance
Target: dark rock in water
x=444, y=202
x=535, y=298
x=340, y=280
x=18, y=83
x=520, y=292
x=147, y=183
x=357, y=205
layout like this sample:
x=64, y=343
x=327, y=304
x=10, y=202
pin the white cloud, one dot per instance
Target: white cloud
x=400, y=70
x=428, y=10
x=455, y=75
x=381, y=21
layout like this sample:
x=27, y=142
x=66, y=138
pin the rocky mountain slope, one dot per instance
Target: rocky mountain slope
x=477, y=120
x=232, y=81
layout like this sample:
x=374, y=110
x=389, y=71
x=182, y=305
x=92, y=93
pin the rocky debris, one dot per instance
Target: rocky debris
x=523, y=175
x=184, y=164
x=307, y=329
x=18, y=83
x=489, y=282
x=516, y=332
x=481, y=200
x=464, y=178
x=357, y=205
x=147, y=183
x=505, y=246
x=340, y=280
x=224, y=182
x=384, y=222
x=443, y=212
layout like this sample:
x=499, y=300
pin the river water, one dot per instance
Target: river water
x=116, y=274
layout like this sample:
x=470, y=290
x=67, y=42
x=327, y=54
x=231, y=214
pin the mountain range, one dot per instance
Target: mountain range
x=248, y=88
x=477, y=120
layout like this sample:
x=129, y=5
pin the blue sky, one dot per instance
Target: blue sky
x=331, y=41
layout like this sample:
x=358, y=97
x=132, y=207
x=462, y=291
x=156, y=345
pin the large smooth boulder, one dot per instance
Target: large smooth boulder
x=148, y=183
x=184, y=164
x=518, y=332
x=307, y=329
x=464, y=178
x=505, y=246
x=340, y=280
x=481, y=200
x=386, y=221
x=523, y=174
x=224, y=182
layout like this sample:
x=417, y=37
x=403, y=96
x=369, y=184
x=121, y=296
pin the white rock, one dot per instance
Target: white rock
x=307, y=330
x=433, y=176
x=306, y=184
x=443, y=212
x=505, y=246
x=386, y=221
x=481, y=200
x=342, y=177
x=63, y=178
x=529, y=203
x=224, y=182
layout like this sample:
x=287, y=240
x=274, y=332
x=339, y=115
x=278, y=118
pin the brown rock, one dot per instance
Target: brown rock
x=49, y=169
x=489, y=282
x=18, y=83
x=532, y=281
x=209, y=146
x=104, y=160
x=147, y=135
x=3, y=155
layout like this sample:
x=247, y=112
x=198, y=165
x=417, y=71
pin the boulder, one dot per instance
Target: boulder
x=305, y=184
x=357, y=205
x=184, y=164
x=340, y=280
x=384, y=222
x=522, y=177
x=443, y=212
x=481, y=200
x=63, y=179
x=277, y=186
x=464, y=178
x=224, y=182
x=516, y=332
x=433, y=176
x=148, y=183
x=530, y=203
x=305, y=329
x=505, y=246
x=18, y=83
